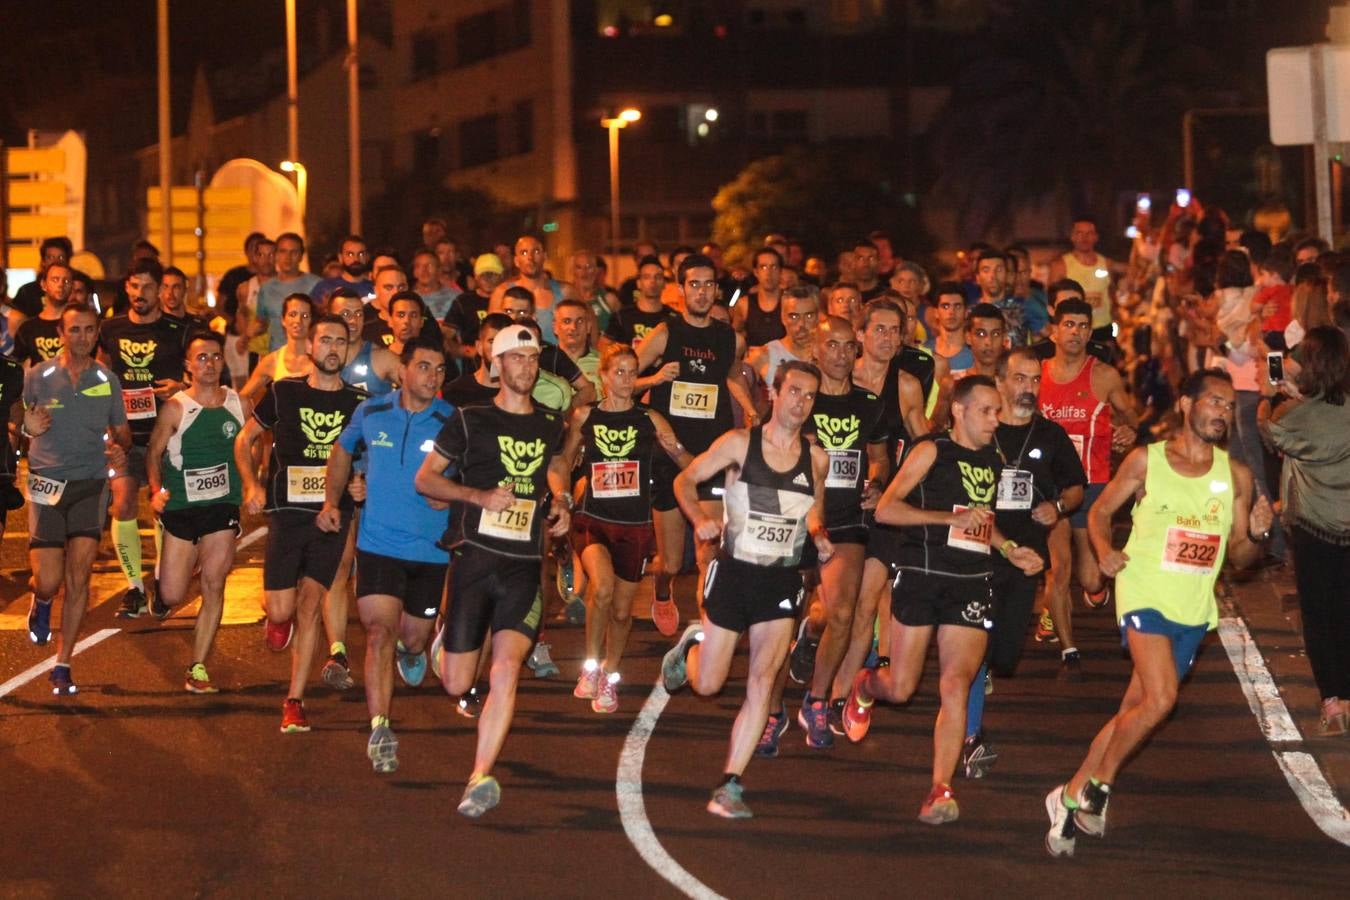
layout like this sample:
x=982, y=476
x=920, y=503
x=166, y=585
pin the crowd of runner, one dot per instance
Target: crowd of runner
x=866, y=459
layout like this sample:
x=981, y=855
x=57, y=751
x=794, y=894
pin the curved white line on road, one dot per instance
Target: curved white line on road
x=1310, y=786
x=34, y=671
x=633, y=811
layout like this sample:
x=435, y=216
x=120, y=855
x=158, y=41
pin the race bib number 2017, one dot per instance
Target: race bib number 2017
x=613, y=480
x=976, y=540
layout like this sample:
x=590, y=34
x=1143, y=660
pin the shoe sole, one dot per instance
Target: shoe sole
x=1049, y=835
x=338, y=682
x=480, y=799
x=282, y=648
x=604, y=710
x=197, y=689
x=824, y=745
x=664, y=622
x=412, y=682
x=69, y=690
x=940, y=814
x=721, y=811
x=383, y=756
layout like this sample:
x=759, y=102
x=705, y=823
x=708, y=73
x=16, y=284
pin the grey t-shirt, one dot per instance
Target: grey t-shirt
x=72, y=448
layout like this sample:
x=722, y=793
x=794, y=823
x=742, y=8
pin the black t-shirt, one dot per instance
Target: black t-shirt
x=616, y=464
x=11, y=391
x=380, y=334
x=628, y=293
x=1043, y=449
x=696, y=403
x=762, y=326
x=466, y=391
x=960, y=478
x=28, y=299
x=489, y=446
x=630, y=325
x=466, y=314
x=37, y=340
x=875, y=291
x=140, y=355
x=843, y=425
x=305, y=423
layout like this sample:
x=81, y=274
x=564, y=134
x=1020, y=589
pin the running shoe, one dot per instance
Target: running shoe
x=939, y=806
x=471, y=704
x=836, y=716
x=541, y=663
x=480, y=794
x=62, y=685
x=337, y=674
x=674, y=674
x=39, y=621
x=574, y=613
x=412, y=667
x=133, y=604
x=382, y=748
x=774, y=729
x=588, y=682
x=278, y=637
x=158, y=608
x=802, y=662
x=1090, y=816
x=1045, y=629
x=1070, y=667
x=727, y=802
x=977, y=756
x=1099, y=599
x=607, y=694
x=197, y=681
x=1060, y=839
x=858, y=710
x=814, y=719
x=665, y=615
x=1334, y=719
x=293, y=719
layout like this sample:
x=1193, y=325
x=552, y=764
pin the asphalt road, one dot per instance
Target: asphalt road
x=135, y=788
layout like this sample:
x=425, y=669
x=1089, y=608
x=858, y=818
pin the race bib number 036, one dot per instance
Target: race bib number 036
x=845, y=466
x=1191, y=552
x=510, y=524
x=139, y=402
x=45, y=491
x=204, y=485
x=693, y=401
x=612, y=480
x=305, y=484
x=975, y=540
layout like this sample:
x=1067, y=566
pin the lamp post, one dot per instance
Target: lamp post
x=622, y=120
x=301, y=185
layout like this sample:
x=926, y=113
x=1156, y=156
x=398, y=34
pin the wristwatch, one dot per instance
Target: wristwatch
x=1059, y=507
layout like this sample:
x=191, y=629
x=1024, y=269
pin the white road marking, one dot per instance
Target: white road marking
x=252, y=536
x=1310, y=786
x=633, y=811
x=34, y=671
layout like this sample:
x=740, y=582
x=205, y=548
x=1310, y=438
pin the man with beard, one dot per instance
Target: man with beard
x=800, y=312
x=1192, y=509
x=39, y=338
x=305, y=416
x=1041, y=481
x=144, y=348
x=529, y=257
x=354, y=258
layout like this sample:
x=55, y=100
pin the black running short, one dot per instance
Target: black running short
x=628, y=545
x=739, y=594
x=196, y=522
x=883, y=543
x=489, y=591
x=664, y=471
x=296, y=549
x=420, y=585
x=925, y=598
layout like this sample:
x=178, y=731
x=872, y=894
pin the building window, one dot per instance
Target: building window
x=478, y=141
x=426, y=56
x=427, y=151
x=524, y=125
x=476, y=38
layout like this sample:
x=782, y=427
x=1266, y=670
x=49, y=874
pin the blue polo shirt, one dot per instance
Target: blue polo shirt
x=397, y=521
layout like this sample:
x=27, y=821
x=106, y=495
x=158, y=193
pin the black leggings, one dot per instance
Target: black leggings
x=1322, y=571
x=1014, y=596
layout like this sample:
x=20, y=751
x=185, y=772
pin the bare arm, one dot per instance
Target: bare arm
x=727, y=450
x=572, y=442
x=815, y=516
x=665, y=436
x=1128, y=481
x=1242, y=550
x=652, y=347
x=170, y=415
x=912, y=406
x=430, y=481
x=244, y=446
x=878, y=468
x=892, y=509
x=257, y=383
x=583, y=392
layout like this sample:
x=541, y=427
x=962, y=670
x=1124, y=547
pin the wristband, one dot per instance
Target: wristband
x=817, y=531
x=1059, y=507
x=1006, y=547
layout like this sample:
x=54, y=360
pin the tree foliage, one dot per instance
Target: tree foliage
x=825, y=197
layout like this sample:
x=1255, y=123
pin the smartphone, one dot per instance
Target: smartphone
x=1183, y=198
x=1275, y=367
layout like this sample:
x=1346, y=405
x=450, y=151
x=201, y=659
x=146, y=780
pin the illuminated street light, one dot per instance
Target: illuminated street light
x=622, y=120
x=301, y=184
x=711, y=114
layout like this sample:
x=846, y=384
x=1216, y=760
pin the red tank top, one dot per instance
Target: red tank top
x=1087, y=420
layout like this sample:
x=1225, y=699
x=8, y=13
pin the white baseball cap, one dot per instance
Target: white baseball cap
x=514, y=337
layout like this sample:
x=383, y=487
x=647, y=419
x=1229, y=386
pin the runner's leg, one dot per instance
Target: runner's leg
x=79, y=562
x=509, y=649
x=960, y=653
x=768, y=656
x=216, y=553
x=380, y=617
x=309, y=600
x=838, y=592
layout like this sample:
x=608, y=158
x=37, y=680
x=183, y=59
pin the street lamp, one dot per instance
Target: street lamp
x=622, y=120
x=301, y=184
